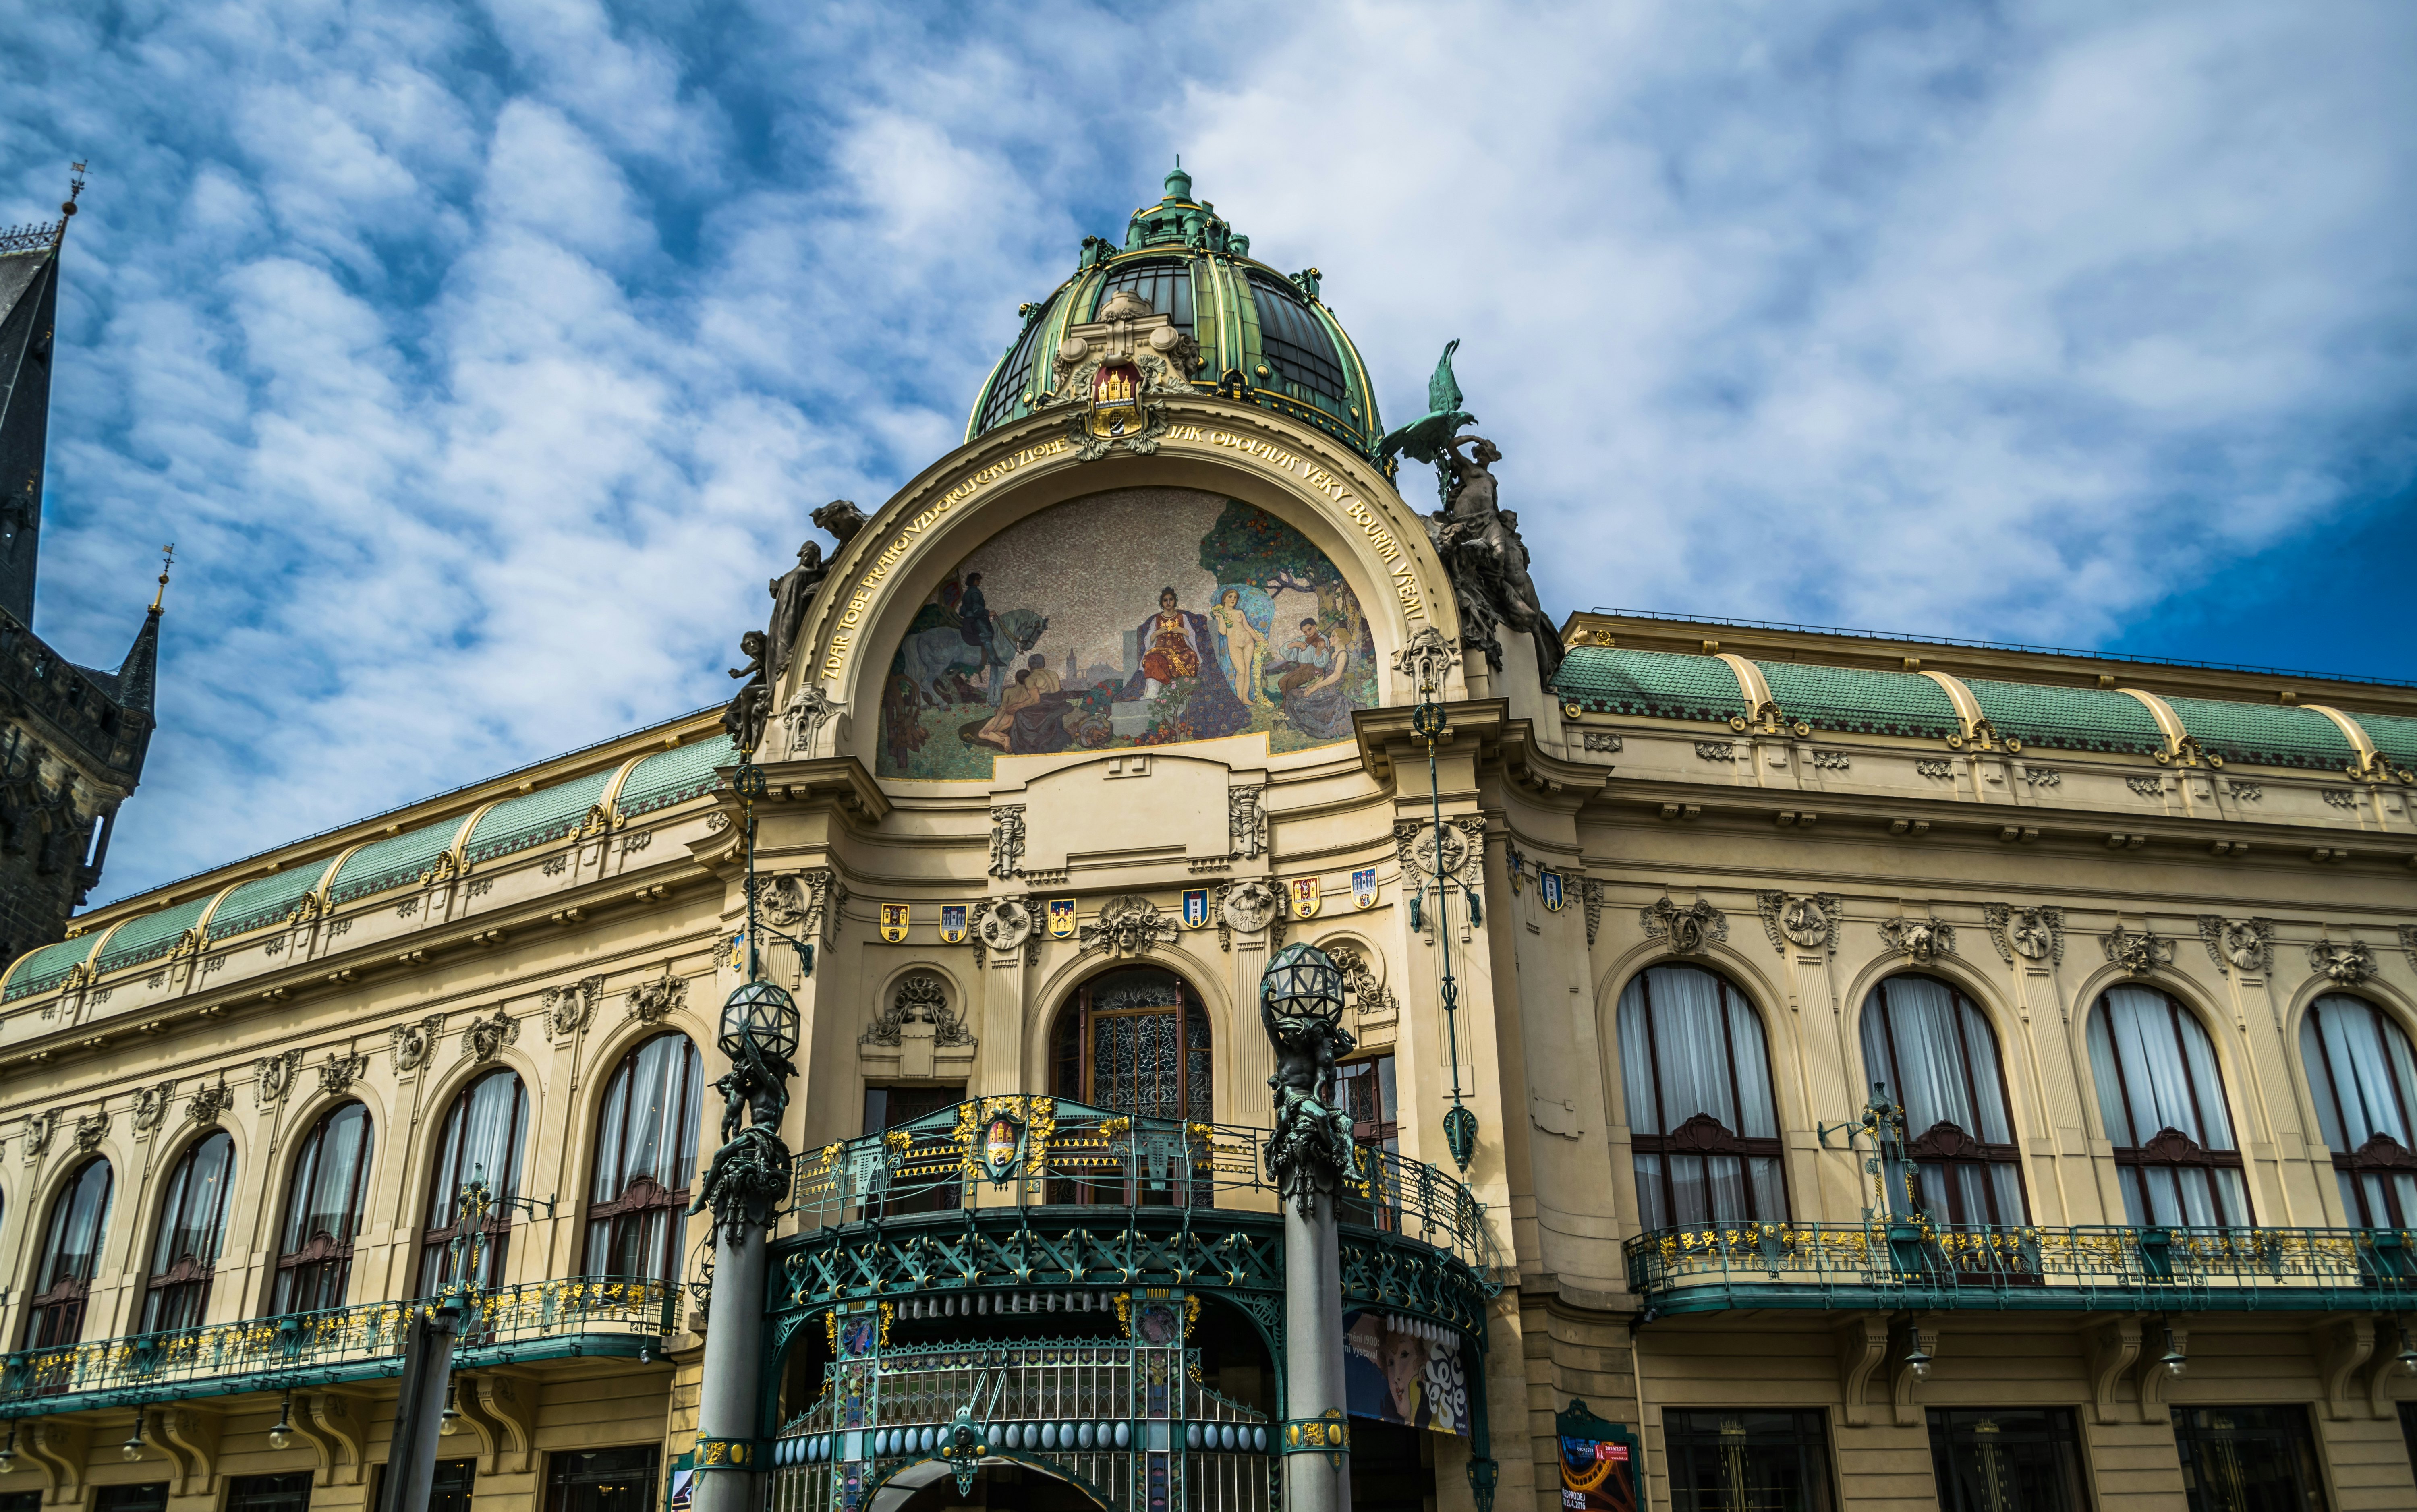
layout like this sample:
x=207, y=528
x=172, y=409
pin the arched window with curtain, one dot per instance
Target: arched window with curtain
x=192, y=1229
x=1934, y=1049
x=2363, y=1078
x=70, y=1248
x=323, y=1211
x=482, y=1140
x=1697, y=1071
x=646, y=1157
x=2175, y=1150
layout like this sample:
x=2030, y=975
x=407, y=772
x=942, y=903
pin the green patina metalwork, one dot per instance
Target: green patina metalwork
x=266, y=900
x=2068, y=718
x=542, y=1320
x=2395, y=737
x=1185, y=255
x=152, y=935
x=1863, y=702
x=669, y=776
x=534, y=818
x=41, y=970
x=2265, y=735
x=394, y=861
x=1660, y=684
x=1922, y=1265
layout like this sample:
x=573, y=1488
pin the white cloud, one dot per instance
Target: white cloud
x=485, y=361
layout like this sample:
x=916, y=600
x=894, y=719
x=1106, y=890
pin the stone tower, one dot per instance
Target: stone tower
x=73, y=738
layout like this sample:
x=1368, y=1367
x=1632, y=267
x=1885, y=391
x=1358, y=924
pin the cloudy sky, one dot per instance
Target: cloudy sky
x=484, y=360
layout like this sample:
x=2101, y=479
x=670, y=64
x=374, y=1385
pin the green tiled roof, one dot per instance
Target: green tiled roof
x=152, y=935
x=2394, y=735
x=394, y=861
x=265, y=901
x=2068, y=718
x=1867, y=703
x=1664, y=685
x=669, y=776
x=41, y=970
x=2265, y=735
x=534, y=818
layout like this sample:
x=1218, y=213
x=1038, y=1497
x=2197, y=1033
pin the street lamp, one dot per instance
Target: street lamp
x=1304, y=982
x=760, y=1021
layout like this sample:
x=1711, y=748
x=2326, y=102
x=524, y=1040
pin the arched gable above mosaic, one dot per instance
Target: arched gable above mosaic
x=1135, y=617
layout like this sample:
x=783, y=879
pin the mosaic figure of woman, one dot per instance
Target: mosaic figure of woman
x=1243, y=649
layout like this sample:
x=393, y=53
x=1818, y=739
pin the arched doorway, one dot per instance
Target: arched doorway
x=1134, y=1041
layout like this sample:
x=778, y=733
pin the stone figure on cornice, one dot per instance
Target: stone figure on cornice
x=793, y=592
x=1478, y=539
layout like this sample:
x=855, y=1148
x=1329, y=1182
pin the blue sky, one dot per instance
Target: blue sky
x=484, y=360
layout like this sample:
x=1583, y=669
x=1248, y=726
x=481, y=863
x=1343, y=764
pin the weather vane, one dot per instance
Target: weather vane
x=167, y=560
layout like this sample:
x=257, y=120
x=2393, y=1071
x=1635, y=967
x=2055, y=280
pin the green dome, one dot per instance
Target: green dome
x=1264, y=336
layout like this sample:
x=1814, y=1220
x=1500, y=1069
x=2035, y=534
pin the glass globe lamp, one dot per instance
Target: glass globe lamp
x=761, y=1015
x=1304, y=982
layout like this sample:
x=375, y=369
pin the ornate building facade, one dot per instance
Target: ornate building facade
x=1791, y=1069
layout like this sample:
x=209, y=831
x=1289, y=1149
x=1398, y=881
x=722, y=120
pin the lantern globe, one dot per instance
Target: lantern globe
x=1302, y=981
x=760, y=1014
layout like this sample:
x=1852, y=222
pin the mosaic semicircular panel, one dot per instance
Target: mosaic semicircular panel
x=1138, y=617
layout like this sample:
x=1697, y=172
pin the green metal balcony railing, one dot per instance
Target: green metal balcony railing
x=540, y=1319
x=1916, y=1264
x=1026, y=1150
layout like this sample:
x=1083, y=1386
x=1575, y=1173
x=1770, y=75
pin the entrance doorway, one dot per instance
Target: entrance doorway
x=1000, y=1486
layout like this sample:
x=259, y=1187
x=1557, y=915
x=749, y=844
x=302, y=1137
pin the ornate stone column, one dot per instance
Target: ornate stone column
x=1309, y=1154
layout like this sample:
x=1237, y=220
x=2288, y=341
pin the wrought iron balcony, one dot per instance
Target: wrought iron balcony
x=541, y=1319
x=1028, y=1152
x=1919, y=1264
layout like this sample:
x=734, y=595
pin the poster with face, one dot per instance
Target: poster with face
x=1398, y=1369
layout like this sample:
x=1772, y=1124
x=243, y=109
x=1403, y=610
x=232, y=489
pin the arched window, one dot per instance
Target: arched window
x=1931, y=1045
x=193, y=1227
x=1135, y=1041
x=2364, y=1079
x=645, y=1155
x=481, y=1141
x=323, y=1211
x=70, y=1248
x=1697, y=1075
x=2164, y=1103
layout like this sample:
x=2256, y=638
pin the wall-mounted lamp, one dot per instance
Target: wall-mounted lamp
x=2173, y=1359
x=283, y=1434
x=133, y=1447
x=449, y=1421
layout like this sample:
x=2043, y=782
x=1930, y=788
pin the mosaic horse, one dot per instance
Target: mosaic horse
x=930, y=656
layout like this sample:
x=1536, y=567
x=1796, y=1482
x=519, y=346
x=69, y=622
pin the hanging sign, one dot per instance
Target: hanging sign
x=1549, y=884
x=1195, y=908
x=1062, y=918
x=1363, y=887
x=952, y=923
x=1598, y=1461
x=1305, y=897
x=893, y=922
